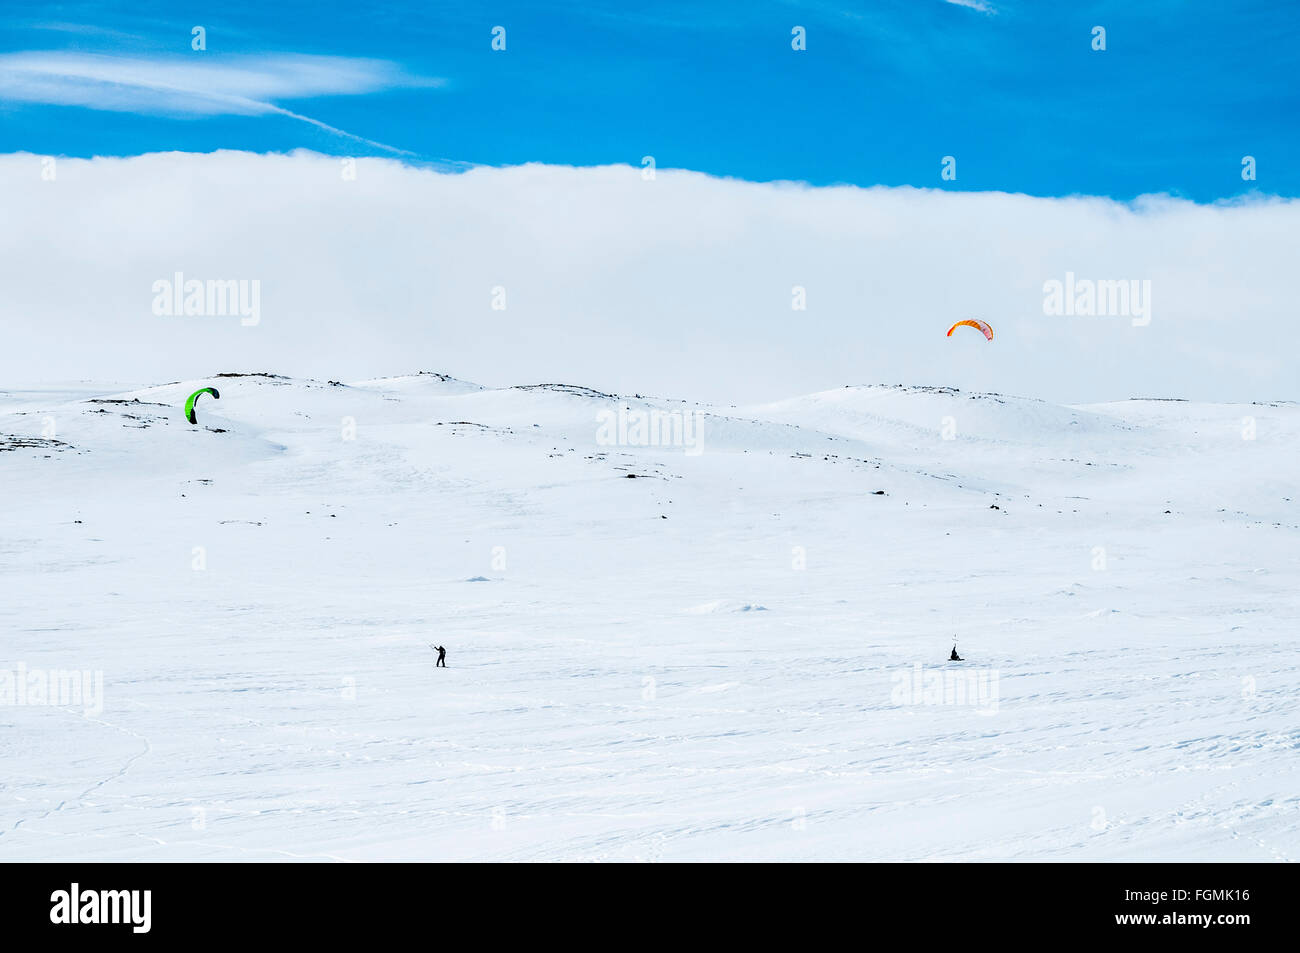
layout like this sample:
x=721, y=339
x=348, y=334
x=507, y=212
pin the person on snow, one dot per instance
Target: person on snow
x=442, y=656
x=954, y=657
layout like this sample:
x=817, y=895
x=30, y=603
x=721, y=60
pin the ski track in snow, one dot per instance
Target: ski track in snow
x=699, y=664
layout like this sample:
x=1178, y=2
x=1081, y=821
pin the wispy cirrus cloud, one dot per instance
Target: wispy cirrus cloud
x=251, y=85
x=76, y=29
x=979, y=5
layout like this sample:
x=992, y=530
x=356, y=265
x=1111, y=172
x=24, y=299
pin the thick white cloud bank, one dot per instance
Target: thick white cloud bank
x=682, y=285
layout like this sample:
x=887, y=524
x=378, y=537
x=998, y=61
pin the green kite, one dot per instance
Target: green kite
x=189, y=402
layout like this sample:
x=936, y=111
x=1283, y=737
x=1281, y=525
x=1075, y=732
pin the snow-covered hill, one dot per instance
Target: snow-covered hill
x=702, y=649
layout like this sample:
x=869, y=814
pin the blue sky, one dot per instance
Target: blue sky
x=1013, y=90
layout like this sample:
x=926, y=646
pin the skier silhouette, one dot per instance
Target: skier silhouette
x=954, y=657
x=442, y=656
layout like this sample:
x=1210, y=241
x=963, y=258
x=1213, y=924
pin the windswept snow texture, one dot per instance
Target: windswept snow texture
x=716, y=660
